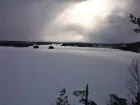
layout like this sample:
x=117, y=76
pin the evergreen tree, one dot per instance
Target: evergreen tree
x=83, y=96
x=135, y=20
x=63, y=98
x=116, y=100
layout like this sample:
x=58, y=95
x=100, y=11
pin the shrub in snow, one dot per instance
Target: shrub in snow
x=51, y=47
x=35, y=46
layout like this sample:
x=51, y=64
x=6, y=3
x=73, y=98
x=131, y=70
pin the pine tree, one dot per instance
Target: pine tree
x=63, y=98
x=83, y=96
x=116, y=100
x=135, y=20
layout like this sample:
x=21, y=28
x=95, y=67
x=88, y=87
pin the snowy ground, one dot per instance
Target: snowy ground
x=34, y=76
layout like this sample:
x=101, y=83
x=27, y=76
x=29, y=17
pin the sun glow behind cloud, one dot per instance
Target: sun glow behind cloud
x=87, y=15
x=84, y=13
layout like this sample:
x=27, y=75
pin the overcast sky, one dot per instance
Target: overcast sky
x=55, y=20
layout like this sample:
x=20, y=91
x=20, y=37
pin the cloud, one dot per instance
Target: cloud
x=103, y=29
x=25, y=19
x=36, y=20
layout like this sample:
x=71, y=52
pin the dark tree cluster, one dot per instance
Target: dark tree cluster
x=116, y=100
x=83, y=96
x=137, y=99
x=63, y=98
x=135, y=20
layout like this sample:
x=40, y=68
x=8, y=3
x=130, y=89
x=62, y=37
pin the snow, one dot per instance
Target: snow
x=34, y=76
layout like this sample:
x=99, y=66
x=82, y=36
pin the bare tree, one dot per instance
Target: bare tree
x=134, y=83
x=114, y=99
x=134, y=71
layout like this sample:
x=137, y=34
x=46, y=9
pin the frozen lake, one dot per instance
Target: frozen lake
x=34, y=76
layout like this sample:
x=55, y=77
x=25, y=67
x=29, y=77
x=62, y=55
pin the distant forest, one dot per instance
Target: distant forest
x=134, y=47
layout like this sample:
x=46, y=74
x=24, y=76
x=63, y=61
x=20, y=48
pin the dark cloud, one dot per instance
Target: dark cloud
x=118, y=29
x=26, y=19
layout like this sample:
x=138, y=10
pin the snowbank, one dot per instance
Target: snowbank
x=34, y=76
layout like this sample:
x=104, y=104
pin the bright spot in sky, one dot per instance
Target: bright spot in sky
x=85, y=13
x=88, y=15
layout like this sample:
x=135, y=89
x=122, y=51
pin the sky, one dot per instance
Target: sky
x=68, y=20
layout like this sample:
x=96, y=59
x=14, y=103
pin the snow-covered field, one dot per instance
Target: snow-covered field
x=34, y=76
